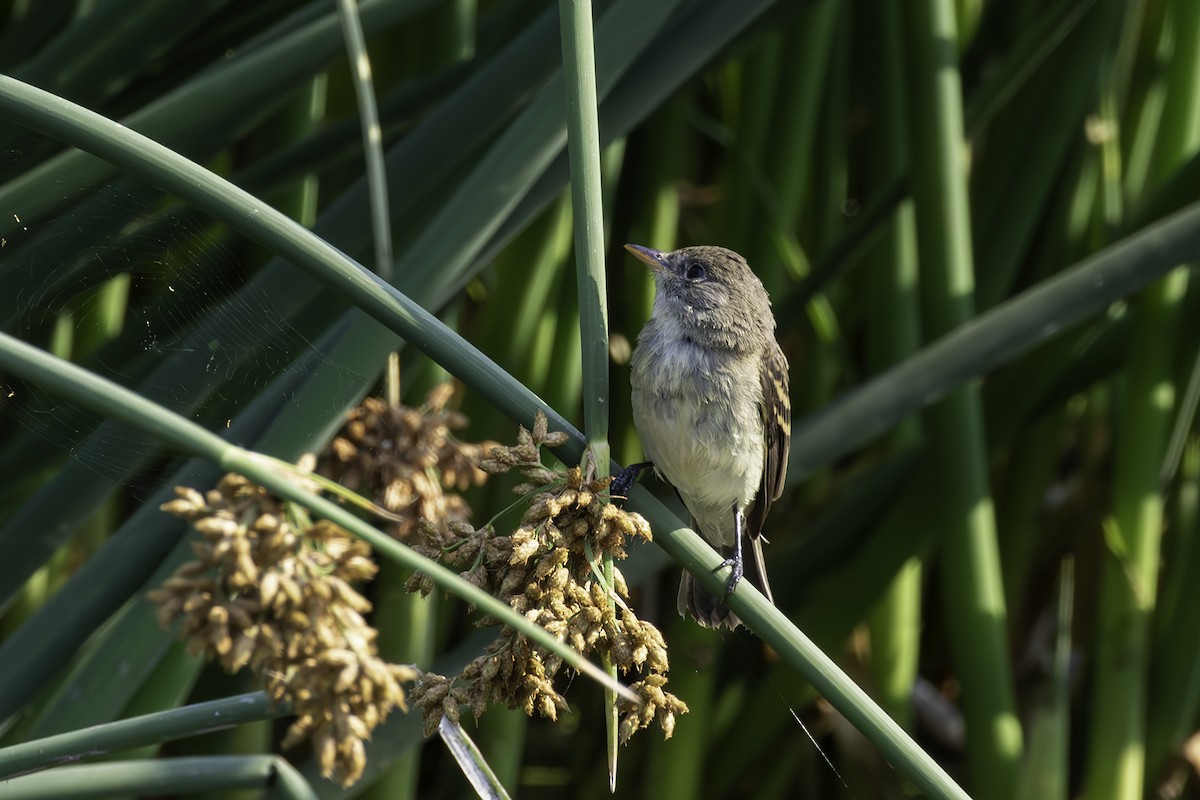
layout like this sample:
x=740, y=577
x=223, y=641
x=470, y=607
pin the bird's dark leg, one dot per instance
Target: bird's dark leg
x=735, y=563
x=619, y=488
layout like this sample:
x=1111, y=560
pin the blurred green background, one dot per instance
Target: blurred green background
x=995, y=543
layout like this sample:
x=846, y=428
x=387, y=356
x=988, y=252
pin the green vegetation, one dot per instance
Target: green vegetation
x=975, y=221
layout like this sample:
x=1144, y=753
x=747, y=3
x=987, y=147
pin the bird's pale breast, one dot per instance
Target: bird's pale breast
x=701, y=426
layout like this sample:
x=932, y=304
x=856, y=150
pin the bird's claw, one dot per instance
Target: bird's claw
x=735, y=574
x=618, y=490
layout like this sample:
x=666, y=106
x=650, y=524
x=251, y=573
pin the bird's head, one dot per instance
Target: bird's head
x=710, y=292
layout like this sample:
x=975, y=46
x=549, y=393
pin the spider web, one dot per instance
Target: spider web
x=157, y=297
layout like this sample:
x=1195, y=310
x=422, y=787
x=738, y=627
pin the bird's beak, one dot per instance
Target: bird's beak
x=653, y=259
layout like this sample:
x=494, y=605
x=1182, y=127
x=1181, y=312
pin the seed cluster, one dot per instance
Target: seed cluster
x=404, y=458
x=549, y=571
x=270, y=591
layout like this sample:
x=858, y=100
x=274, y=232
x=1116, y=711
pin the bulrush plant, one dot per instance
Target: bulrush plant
x=407, y=460
x=548, y=570
x=269, y=590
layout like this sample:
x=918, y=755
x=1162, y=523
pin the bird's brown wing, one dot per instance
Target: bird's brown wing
x=777, y=429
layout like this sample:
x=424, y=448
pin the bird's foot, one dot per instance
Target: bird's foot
x=621, y=483
x=735, y=561
x=735, y=574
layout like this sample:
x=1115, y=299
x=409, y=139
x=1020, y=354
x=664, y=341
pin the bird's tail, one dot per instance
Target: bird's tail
x=706, y=608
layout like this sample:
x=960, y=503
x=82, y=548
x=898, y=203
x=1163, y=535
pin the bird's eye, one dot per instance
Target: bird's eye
x=696, y=271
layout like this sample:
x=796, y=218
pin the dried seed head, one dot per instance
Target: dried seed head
x=406, y=458
x=548, y=570
x=260, y=593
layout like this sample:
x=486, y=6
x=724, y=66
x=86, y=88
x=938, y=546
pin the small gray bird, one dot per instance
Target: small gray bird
x=711, y=405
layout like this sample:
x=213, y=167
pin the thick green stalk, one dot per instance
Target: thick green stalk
x=164, y=726
x=1178, y=133
x=583, y=147
x=968, y=13
x=1048, y=765
x=1129, y=584
x=1030, y=473
x=503, y=733
x=406, y=623
x=675, y=776
x=795, y=648
x=587, y=203
x=1116, y=757
x=895, y=625
x=1144, y=111
x=894, y=334
x=970, y=564
x=376, y=169
x=1175, y=659
x=372, y=134
x=203, y=775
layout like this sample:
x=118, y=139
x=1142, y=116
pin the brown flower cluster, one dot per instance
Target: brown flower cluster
x=549, y=570
x=404, y=457
x=269, y=591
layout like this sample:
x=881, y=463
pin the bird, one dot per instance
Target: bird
x=712, y=408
